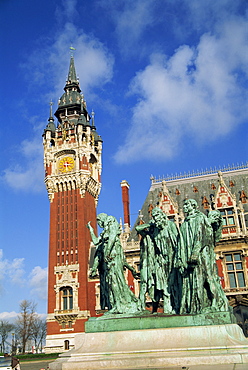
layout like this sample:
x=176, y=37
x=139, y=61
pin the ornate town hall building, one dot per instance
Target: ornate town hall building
x=72, y=159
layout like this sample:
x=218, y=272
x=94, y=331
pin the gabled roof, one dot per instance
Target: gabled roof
x=204, y=187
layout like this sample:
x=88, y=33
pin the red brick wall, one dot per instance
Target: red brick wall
x=72, y=213
x=52, y=255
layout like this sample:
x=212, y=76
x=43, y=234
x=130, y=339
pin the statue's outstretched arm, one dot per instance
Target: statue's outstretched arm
x=94, y=238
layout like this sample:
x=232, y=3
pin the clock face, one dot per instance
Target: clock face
x=66, y=164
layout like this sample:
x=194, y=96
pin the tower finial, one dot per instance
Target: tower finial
x=72, y=77
x=51, y=108
x=72, y=49
x=51, y=126
x=93, y=118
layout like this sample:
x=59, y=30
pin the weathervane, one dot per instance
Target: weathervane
x=72, y=49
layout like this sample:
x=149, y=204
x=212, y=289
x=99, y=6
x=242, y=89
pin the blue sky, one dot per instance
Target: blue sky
x=167, y=81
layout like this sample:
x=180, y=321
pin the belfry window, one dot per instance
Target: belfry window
x=235, y=270
x=67, y=298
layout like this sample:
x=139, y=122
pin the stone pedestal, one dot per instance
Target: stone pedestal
x=156, y=348
x=146, y=320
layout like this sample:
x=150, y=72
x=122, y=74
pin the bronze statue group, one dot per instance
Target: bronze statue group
x=177, y=266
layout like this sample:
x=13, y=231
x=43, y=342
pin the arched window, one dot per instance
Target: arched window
x=66, y=298
x=67, y=344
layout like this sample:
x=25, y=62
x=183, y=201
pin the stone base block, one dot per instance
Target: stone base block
x=147, y=320
x=168, y=348
x=56, y=343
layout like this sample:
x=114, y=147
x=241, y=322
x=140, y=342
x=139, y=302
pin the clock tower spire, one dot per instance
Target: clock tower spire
x=72, y=160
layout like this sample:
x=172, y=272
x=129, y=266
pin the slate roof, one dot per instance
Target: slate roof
x=196, y=186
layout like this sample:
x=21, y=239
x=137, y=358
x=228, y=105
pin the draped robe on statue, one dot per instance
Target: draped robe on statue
x=201, y=290
x=196, y=233
x=121, y=297
x=157, y=249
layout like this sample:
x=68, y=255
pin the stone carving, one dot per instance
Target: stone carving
x=157, y=250
x=111, y=262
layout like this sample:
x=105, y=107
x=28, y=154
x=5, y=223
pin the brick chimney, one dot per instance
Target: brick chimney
x=125, y=200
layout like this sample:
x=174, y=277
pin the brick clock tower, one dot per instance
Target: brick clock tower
x=72, y=160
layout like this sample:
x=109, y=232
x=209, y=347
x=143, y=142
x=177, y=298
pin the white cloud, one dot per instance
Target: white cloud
x=28, y=173
x=49, y=65
x=132, y=20
x=138, y=23
x=9, y=316
x=12, y=316
x=38, y=282
x=11, y=270
x=204, y=15
x=94, y=64
x=196, y=93
x=69, y=8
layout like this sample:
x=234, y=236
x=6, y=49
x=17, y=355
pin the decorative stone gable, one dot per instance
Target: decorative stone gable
x=225, y=201
x=224, y=198
x=166, y=202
